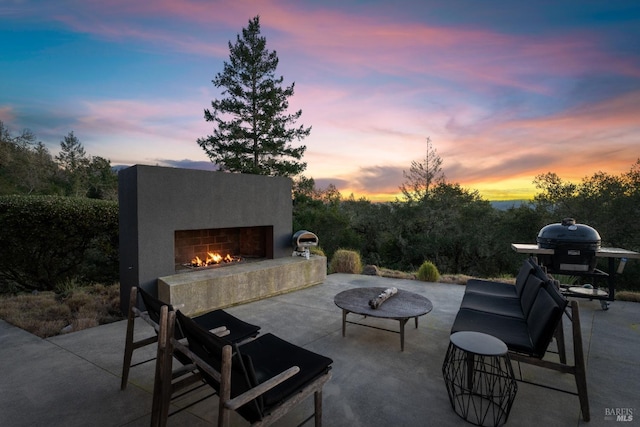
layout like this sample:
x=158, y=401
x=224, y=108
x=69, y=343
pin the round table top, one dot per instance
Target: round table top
x=479, y=343
x=402, y=305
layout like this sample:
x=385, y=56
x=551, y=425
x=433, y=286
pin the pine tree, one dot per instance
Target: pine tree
x=252, y=130
x=423, y=176
x=74, y=162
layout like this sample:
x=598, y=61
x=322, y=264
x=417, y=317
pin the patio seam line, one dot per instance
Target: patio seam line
x=82, y=358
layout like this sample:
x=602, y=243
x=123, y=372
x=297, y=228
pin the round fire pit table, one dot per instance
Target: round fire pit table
x=402, y=306
x=479, y=378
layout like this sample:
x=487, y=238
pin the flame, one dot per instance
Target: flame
x=212, y=259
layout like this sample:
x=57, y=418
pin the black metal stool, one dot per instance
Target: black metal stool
x=479, y=378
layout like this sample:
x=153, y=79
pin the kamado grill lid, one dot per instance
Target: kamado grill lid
x=567, y=232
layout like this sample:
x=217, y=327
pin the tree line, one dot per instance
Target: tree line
x=462, y=233
x=435, y=220
x=27, y=167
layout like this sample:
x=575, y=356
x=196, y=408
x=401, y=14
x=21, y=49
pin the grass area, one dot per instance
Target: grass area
x=47, y=314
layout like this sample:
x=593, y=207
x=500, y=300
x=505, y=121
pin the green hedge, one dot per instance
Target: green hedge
x=47, y=241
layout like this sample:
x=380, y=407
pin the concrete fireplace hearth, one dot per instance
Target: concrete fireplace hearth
x=206, y=290
x=164, y=210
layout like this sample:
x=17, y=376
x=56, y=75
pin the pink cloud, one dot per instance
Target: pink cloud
x=350, y=44
x=7, y=115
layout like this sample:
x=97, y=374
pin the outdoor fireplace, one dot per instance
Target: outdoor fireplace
x=161, y=209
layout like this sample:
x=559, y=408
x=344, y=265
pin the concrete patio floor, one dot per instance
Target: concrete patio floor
x=74, y=379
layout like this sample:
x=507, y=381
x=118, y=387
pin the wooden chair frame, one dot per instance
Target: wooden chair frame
x=162, y=388
x=577, y=369
x=184, y=378
x=131, y=346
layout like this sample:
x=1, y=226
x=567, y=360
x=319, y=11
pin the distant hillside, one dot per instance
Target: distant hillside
x=503, y=205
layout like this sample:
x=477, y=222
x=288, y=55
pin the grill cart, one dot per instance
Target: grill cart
x=572, y=249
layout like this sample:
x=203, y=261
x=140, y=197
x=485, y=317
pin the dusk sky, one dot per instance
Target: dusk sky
x=506, y=90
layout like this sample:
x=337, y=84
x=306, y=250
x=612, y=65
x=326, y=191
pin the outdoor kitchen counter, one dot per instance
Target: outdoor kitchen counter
x=610, y=253
x=527, y=248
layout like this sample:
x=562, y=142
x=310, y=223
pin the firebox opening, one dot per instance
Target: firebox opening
x=239, y=243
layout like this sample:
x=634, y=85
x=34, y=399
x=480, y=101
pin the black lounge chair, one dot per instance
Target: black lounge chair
x=261, y=380
x=218, y=321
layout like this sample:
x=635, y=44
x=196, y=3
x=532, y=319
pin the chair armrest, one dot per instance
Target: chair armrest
x=260, y=389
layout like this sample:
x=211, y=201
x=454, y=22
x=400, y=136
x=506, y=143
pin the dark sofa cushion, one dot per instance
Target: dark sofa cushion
x=544, y=317
x=530, y=293
x=512, y=331
x=504, y=306
x=499, y=289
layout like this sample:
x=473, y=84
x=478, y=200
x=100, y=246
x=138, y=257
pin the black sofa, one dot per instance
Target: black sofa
x=526, y=317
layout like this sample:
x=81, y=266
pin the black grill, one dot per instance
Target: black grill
x=574, y=247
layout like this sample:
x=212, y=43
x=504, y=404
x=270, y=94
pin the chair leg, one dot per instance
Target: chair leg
x=128, y=345
x=225, y=387
x=580, y=371
x=163, y=373
x=317, y=400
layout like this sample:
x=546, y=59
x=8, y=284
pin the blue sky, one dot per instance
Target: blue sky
x=505, y=90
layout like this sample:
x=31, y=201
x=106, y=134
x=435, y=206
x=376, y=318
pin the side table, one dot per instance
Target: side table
x=479, y=378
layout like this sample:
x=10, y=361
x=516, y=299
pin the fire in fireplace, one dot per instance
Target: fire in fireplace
x=221, y=246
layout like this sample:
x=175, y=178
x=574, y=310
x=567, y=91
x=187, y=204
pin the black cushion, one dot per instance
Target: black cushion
x=529, y=294
x=504, y=306
x=488, y=287
x=271, y=355
x=527, y=267
x=500, y=289
x=543, y=320
x=512, y=331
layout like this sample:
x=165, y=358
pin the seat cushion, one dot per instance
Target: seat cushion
x=271, y=355
x=504, y=306
x=500, y=289
x=488, y=287
x=512, y=331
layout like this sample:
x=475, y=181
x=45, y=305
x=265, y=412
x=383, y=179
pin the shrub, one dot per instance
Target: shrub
x=428, y=272
x=47, y=314
x=48, y=240
x=316, y=250
x=345, y=261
